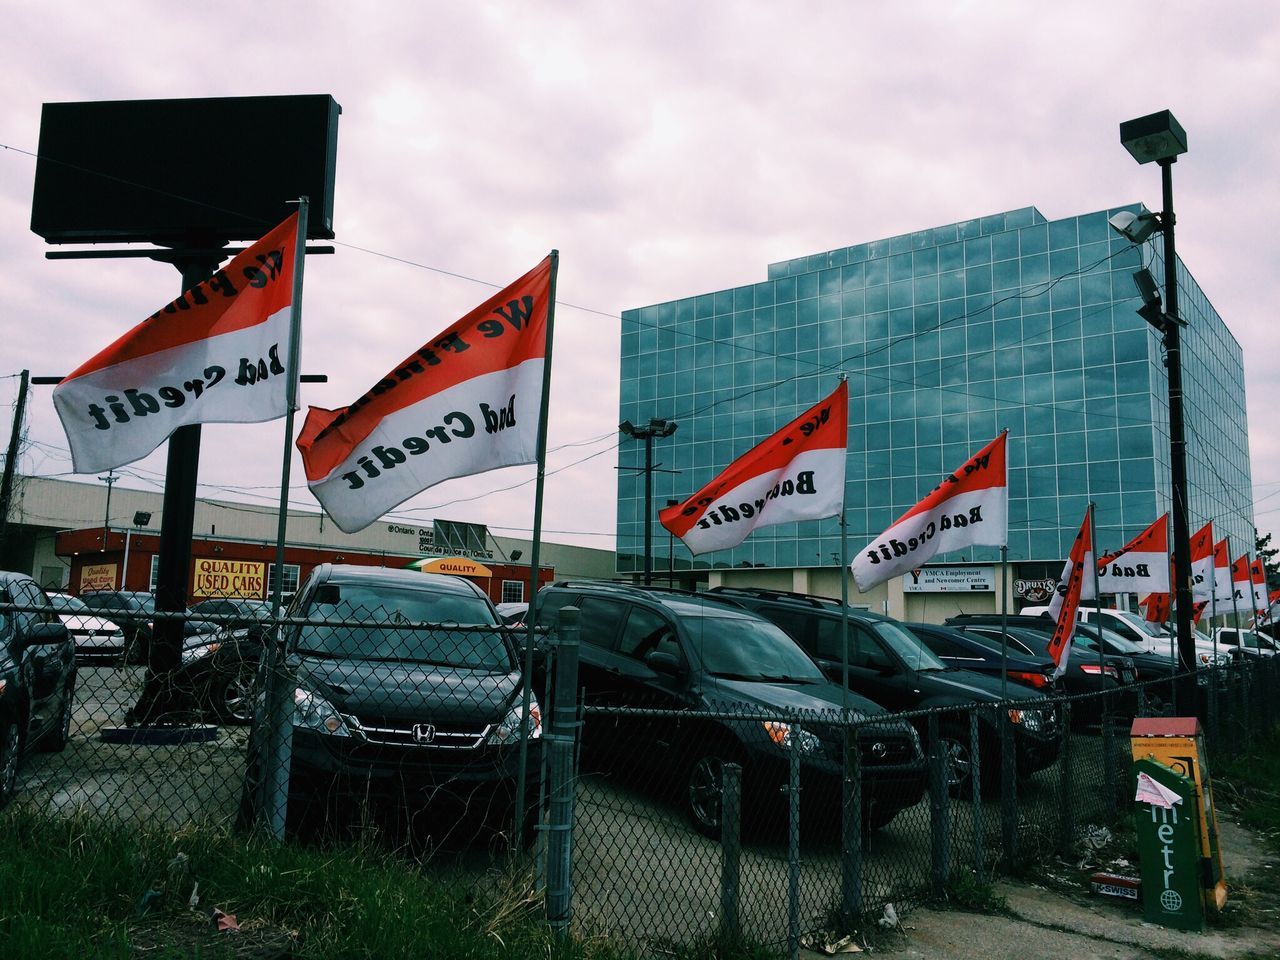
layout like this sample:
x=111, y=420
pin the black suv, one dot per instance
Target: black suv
x=408, y=693
x=37, y=676
x=732, y=673
x=892, y=666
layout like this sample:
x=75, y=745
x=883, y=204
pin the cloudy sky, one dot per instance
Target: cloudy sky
x=666, y=149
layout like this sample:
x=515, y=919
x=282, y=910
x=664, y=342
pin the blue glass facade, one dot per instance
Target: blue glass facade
x=947, y=335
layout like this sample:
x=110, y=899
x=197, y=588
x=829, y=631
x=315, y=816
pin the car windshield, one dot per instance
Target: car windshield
x=908, y=646
x=385, y=629
x=744, y=649
x=1137, y=623
x=1115, y=642
x=68, y=604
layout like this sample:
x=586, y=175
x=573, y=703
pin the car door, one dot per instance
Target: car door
x=43, y=664
x=645, y=632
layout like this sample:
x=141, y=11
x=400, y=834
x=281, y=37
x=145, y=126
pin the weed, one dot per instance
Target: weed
x=967, y=892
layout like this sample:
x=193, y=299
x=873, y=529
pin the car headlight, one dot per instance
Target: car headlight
x=784, y=736
x=508, y=731
x=192, y=654
x=313, y=712
x=1032, y=720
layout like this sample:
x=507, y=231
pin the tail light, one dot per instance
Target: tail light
x=1094, y=670
x=1030, y=678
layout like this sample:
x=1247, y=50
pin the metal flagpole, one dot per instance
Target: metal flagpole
x=534, y=560
x=1097, y=599
x=1004, y=621
x=1235, y=607
x=279, y=691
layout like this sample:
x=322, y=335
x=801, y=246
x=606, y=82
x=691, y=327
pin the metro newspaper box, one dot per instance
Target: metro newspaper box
x=1177, y=744
x=1168, y=846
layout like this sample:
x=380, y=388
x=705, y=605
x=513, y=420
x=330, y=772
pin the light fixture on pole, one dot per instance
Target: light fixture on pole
x=657, y=427
x=1159, y=138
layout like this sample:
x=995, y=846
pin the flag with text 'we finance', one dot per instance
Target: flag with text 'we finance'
x=1074, y=585
x=796, y=474
x=1141, y=565
x=217, y=354
x=968, y=508
x=467, y=401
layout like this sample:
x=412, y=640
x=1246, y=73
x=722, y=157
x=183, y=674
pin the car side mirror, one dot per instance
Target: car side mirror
x=40, y=635
x=879, y=661
x=667, y=664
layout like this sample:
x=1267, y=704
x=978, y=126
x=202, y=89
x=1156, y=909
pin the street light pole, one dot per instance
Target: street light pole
x=657, y=427
x=1160, y=138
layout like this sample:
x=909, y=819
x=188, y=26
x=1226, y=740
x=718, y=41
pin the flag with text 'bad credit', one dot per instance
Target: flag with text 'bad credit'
x=796, y=474
x=1241, y=584
x=1141, y=565
x=217, y=354
x=1222, y=590
x=1258, y=573
x=1202, y=578
x=467, y=401
x=1075, y=581
x=968, y=508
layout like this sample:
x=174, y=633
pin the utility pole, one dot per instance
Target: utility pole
x=109, y=480
x=11, y=468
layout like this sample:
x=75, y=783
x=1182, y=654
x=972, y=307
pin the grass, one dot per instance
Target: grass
x=72, y=888
x=1250, y=783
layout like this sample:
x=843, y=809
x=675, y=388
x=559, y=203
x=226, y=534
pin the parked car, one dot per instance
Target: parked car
x=1152, y=637
x=1247, y=643
x=712, y=659
x=97, y=639
x=513, y=614
x=956, y=648
x=135, y=612
x=1154, y=671
x=419, y=703
x=233, y=613
x=1031, y=635
x=893, y=667
x=37, y=677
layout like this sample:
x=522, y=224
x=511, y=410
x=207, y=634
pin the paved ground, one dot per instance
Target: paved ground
x=1044, y=923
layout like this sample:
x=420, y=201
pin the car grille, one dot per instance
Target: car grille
x=429, y=736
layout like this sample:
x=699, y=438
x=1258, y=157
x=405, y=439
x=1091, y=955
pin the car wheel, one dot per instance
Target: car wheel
x=56, y=740
x=957, y=761
x=10, y=755
x=704, y=802
x=232, y=694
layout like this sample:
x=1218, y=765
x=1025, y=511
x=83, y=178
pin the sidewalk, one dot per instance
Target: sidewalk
x=1050, y=924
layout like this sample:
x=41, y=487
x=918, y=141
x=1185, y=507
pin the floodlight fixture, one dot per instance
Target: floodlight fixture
x=1135, y=227
x=1156, y=137
x=1147, y=287
x=657, y=427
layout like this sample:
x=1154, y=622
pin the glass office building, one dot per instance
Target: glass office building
x=947, y=335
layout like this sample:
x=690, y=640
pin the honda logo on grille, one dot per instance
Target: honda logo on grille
x=423, y=733
x=879, y=749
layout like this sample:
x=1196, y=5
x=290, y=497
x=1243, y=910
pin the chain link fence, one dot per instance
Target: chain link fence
x=649, y=824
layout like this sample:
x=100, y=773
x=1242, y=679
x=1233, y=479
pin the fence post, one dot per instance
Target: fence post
x=559, y=744
x=730, y=849
x=851, y=829
x=275, y=736
x=939, y=818
x=975, y=786
x=1108, y=764
x=793, y=843
x=1008, y=788
x=1066, y=819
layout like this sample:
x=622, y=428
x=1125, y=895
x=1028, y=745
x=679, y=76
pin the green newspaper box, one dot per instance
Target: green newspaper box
x=1168, y=825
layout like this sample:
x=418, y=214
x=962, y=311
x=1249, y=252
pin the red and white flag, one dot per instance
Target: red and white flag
x=1241, y=584
x=1072, y=585
x=1221, y=574
x=1141, y=566
x=796, y=474
x=968, y=508
x=1258, y=573
x=467, y=401
x=1158, y=607
x=217, y=354
x=1202, y=577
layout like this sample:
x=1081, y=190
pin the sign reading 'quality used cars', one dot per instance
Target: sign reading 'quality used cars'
x=229, y=578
